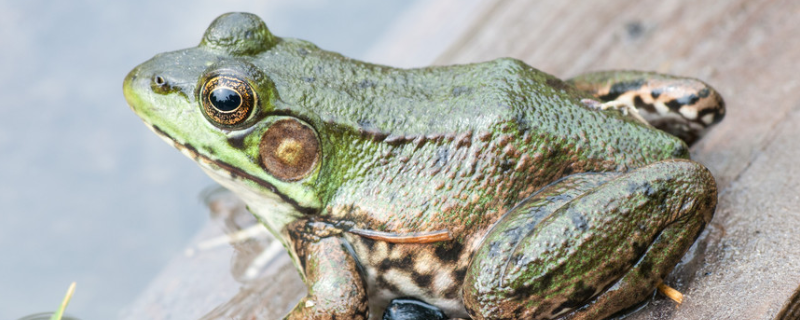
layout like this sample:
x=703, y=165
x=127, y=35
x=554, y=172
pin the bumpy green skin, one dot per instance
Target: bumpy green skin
x=452, y=148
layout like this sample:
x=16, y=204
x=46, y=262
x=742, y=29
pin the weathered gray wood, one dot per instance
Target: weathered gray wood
x=211, y=282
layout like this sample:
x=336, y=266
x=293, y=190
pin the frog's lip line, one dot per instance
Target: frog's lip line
x=234, y=172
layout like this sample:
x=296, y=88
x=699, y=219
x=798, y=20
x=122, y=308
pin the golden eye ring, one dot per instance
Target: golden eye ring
x=227, y=99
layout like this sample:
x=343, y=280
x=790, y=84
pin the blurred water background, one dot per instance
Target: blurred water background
x=87, y=193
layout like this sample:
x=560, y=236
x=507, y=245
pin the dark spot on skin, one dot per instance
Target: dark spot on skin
x=381, y=282
x=655, y=93
x=680, y=151
x=520, y=293
x=309, y=79
x=522, y=122
x=578, y=220
x=556, y=84
x=367, y=128
x=646, y=188
x=495, y=249
x=449, y=251
x=645, y=268
x=634, y=29
x=507, y=165
x=421, y=280
x=581, y=295
x=703, y=112
x=639, y=104
x=673, y=105
x=302, y=51
x=406, y=262
x=639, y=249
x=545, y=280
x=369, y=243
x=703, y=93
x=632, y=187
x=459, y=274
x=621, y=87
x=366, y=84
x=457, y=91
x=619, y=272
x=688, y=100
x=441, y=156
x=717, y=116
x=237, y=142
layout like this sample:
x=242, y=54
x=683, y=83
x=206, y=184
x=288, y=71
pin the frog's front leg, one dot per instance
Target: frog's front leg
x=683, y=107
x=565, y=247
x=336, y=289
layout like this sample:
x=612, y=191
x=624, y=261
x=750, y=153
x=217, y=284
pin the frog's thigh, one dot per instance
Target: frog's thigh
x=684, y=107
x=638, y=223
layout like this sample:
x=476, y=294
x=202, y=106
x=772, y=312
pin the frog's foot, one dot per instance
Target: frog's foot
x=591, y=244
x=683, y=107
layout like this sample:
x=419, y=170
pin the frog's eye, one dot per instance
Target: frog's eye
x=289, y=150
x=227, y=99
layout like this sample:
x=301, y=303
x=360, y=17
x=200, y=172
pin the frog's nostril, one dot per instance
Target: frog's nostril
x=159, y=81
x=159, y=84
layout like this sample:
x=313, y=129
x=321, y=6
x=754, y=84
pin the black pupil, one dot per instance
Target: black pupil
x=225, y=99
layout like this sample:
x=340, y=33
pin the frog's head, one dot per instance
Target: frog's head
x=219, y=109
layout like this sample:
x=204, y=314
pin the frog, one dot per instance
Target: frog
x=488, y=190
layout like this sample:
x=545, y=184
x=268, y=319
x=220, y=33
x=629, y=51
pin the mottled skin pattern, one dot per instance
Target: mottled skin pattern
x=534, y=189
x=683, y=107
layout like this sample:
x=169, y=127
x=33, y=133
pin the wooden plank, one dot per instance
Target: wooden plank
x=213, y=279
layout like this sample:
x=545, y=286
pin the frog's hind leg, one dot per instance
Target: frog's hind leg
x=683, y=107
x=560, y=251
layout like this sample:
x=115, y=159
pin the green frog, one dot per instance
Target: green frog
x=488, y=190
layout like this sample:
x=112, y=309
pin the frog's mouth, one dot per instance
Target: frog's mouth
x=223, y=168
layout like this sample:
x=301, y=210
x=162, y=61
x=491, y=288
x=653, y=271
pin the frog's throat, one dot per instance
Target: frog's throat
x=274, y=209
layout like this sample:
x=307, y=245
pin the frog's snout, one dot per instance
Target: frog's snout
x=140, y=84
x=128, y=87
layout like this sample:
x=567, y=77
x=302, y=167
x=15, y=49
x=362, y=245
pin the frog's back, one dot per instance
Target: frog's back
x=493, y=96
